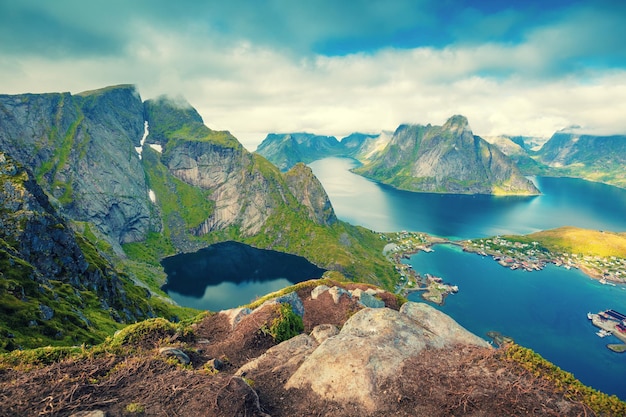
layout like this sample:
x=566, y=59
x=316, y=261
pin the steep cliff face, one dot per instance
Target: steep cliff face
x=54, y=287
x=448, y=159
x=81, y=149
x=245, y=190
x=309, y=192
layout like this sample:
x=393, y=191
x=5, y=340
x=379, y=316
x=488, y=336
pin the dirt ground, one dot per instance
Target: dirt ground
x=463, y=381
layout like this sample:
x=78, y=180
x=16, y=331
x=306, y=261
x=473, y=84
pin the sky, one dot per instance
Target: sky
x=333, y=67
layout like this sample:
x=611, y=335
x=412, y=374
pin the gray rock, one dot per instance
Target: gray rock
x=337, y=292
x=177, y=353
x=292, y=299
x=286, y=355
x=371, y=347
x=235, y=315
x=320, y=289
x=323, y=331
x=45, y=312
x=369, y=300
x=449, y=332
x=215, y=364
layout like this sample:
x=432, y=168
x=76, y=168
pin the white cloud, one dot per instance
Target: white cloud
x=252, y=90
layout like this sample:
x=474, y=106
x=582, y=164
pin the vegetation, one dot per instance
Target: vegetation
x=287, y=325
x=600, y=403
x=579, y=241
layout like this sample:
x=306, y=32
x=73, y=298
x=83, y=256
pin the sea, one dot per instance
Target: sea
x=543, y=310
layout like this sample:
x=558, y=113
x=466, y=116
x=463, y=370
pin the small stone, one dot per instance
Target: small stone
x=337, y=292
x=323, y=332
x=215, y=364
x=177, y=353
x=317, y=291
x=92, y=413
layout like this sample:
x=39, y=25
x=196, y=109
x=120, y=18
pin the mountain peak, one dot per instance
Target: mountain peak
x=457, y=124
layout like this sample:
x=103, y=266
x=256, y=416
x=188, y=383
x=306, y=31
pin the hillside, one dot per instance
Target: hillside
x=445, y=159
x=55, y=288
x=130, y=182
x=582, y=241
x=592, y=157
x=313, y=349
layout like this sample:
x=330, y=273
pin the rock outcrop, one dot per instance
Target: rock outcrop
x=371, y=347
x=52, y=280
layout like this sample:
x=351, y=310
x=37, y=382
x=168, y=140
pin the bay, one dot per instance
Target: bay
x=564, y=202
x=544, y=310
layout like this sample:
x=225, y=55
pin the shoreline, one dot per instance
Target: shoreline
x=537, y=264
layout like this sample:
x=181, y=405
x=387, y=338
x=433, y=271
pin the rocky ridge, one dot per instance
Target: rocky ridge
x=54, y=285
x=350, y=360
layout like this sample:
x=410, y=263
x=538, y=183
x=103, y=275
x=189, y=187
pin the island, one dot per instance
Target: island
x=402, y=245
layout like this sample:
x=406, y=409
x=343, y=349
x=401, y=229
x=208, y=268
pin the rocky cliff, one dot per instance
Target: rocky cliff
x=81, y=149
x=54, y=286
x=448, y=159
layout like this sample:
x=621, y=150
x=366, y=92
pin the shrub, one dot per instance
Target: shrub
x=287, y=325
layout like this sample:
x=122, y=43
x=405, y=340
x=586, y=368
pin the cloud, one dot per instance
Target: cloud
x=259, y=69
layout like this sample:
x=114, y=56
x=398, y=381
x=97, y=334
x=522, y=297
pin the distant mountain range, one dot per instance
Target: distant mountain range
x=442, y=159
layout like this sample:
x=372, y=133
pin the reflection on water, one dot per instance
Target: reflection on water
x=564, y=202
x=230, y=274
x=225, y=295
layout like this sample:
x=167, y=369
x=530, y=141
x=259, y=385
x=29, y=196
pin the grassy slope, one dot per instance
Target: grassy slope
x=581, y=241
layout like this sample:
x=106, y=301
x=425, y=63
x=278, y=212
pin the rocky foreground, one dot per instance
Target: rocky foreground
x=360, y=354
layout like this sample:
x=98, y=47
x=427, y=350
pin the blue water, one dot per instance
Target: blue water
x=564, y=202
x=544, y=310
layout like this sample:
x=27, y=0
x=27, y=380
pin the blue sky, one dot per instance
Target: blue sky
x=334, y=67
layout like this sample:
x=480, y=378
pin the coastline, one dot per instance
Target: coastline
x=530, y=259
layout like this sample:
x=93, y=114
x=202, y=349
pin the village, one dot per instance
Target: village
x=533, y=257
x=402, y=246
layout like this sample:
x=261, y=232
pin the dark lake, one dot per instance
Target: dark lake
x=230, y=274
x=544, y=310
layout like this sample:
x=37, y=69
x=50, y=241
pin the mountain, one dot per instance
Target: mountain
x=446, y=158
x=520, y=150
x=286, y=150
x=136, y=181
x=318, y=348
x=80, y=148
x=592, y=157
x=55, y=288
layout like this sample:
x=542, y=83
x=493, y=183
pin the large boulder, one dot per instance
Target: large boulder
x=372, y=347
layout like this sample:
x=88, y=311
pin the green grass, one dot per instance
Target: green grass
x=579, y=241
x=601, y=403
